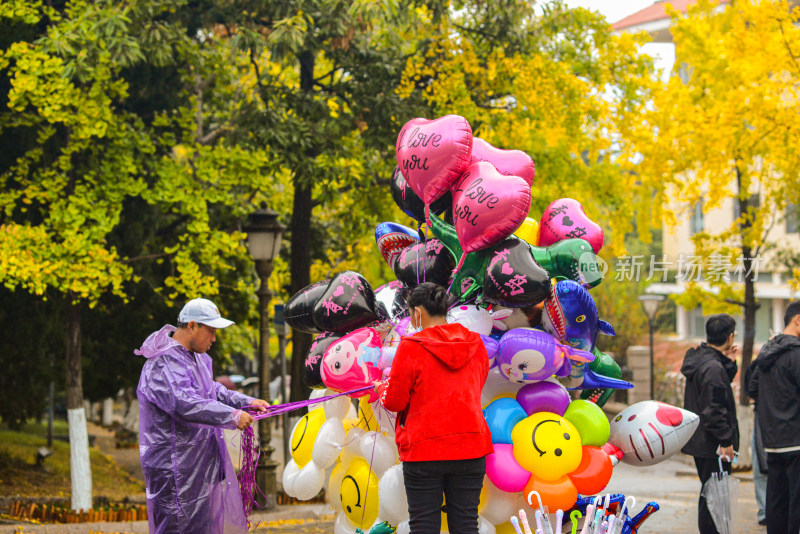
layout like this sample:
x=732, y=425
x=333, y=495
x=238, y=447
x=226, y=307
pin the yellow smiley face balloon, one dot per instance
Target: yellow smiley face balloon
x=547, y=445
x=359, y=494
x=304, y=434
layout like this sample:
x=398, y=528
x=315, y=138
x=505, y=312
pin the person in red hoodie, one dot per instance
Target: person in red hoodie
x=435, y=387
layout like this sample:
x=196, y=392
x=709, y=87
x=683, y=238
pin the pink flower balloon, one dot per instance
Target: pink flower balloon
x=488, y=207
x=433, y=154
x=508, y=162
x=503, y=469
x=565, y=219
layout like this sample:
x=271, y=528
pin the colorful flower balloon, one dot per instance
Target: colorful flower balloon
x=551, y=453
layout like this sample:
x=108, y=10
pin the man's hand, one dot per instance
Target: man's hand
x=260, y=404
x=731, y=352
x=245, y=420
x=726, y=453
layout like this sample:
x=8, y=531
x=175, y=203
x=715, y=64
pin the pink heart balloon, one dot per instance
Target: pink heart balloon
x=509, y=162
x=433, y=154
x=565, y=219
x=488, y=206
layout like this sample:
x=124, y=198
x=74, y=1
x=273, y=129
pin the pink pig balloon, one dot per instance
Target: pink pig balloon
x=488, y=207
x=508, y=162
x=433, y=154
x=343, y=366
x=565, y=219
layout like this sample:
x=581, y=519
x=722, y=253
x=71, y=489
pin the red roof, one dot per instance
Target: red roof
x=655, y=12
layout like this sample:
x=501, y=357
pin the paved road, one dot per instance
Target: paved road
x=675, y=487
x=672, y=484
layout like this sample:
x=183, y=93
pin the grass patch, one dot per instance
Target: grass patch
x=20, y=476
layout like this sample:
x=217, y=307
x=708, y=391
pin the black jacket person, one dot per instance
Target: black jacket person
x=776, y=385
x=709, y=372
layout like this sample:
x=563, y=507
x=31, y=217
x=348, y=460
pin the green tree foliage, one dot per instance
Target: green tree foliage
x=320, y=80
x=117, y=184
x=93, y=150
x=140, y=134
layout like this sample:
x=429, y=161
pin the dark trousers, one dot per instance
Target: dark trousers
x=783, y=493
x=460, y=482
x=705, y=467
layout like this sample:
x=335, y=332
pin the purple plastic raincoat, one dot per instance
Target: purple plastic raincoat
x=191, y=483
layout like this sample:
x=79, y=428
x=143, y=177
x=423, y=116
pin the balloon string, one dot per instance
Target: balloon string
x=416, y=266
x=291, y=406
x=389, y=414
x=456, y=303
x=458, y=267
x=425, y=257
x=371, y=460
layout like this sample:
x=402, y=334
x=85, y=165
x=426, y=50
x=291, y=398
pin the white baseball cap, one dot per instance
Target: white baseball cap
x=203, y=311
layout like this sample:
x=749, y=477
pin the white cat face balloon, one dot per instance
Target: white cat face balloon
x=649, y=432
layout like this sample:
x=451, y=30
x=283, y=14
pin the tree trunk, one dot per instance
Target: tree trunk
x=750, y=307
x=300, y=261
x=750, y=303
x=80, y=467
x=300, y=268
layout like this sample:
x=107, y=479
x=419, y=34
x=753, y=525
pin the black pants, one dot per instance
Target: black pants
x=460, y=482
x=783, y=493
x=705, y=467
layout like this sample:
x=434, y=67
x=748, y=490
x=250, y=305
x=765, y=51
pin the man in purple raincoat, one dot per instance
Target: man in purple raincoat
x=191, y=483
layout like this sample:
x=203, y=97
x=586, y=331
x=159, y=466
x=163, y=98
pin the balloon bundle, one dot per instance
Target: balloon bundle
x=484, y=195
x=524, y=286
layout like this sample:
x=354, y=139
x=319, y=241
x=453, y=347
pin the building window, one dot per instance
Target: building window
x=696, y=223
x=790, y=215
x=754, y=202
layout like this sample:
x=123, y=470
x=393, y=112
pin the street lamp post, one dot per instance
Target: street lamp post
x=264, y=242
x=650, y=303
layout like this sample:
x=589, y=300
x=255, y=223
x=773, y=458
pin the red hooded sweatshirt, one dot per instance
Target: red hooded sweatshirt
x=435, y=388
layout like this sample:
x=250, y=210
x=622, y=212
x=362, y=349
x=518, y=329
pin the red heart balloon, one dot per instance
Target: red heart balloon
x=565, y=219
x=433, y=154
x=488, y=206
x=509, y=162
